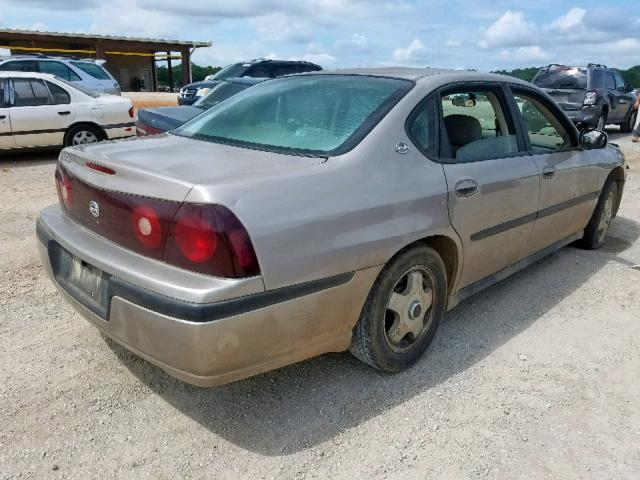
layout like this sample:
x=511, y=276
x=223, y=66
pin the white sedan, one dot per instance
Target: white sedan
x=41, y=110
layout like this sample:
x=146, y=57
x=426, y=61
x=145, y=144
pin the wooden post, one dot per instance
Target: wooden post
x=186, y=67
x=170, y=71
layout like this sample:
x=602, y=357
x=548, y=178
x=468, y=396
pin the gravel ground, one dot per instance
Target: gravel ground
x=535, y=378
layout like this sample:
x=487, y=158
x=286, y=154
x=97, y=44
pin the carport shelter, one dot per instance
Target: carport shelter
x=132, y=61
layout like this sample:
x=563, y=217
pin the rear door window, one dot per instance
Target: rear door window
x=620, y=83
x=30, y=93
x=59, y=94
x=611, y=81
x=96, y=71
x=477, y=125
x=20, y=66
x=58, y=69
x=2, y=101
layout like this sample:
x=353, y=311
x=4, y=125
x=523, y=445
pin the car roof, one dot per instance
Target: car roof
x=8, y=73
x=422, y=74
x=45, y=58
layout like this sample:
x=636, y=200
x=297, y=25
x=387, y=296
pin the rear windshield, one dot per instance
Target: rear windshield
x=231, y=71
x=219, y=93
x=92, y=69
x=311, y=114
x=561, y=77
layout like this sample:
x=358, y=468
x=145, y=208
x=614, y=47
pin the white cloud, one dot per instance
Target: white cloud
x=524, y=55
x=415, y=51
x=573, y=18
x=280, y=28
x=319, y=58
x=511, y=29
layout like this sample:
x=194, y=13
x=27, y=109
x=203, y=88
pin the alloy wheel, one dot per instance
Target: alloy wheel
x=410, y=307
x=605, y=217
x=83, y=137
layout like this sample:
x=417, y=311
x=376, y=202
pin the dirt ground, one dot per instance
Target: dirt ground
x=535, y=378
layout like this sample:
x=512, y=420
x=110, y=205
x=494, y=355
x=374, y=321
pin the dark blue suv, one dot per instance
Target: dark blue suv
x=258, y=68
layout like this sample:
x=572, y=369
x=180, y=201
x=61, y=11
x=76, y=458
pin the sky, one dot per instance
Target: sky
x=476, y=34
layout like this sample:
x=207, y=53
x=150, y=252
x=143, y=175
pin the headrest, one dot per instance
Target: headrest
x=462, y=129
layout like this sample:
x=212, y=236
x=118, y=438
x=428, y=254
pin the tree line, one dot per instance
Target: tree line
x=198, y=73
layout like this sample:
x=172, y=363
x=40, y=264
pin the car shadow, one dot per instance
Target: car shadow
x=302, y=405
x=28, y=157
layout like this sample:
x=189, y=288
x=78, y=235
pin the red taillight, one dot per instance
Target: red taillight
x=204, y=238
x=143, y=129
x=100, y=168
x=210, y=239
x=146, y=226
x=131, y=112
x=63, y=186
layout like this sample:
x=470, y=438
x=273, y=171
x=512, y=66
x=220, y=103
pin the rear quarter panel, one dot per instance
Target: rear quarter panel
x=344, y=214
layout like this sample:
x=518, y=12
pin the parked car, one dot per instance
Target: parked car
x=258, y=68
x=87, y=74
x=592, y=96
x=321, y=212
x=152, y=121
x=38, y=110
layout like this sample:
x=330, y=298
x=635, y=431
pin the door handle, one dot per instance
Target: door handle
x=64, y=113
x=466, y=188
x=548, y=171
x=2, y=117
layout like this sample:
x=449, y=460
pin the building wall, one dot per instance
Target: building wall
x=124, y=68
x=129, y=69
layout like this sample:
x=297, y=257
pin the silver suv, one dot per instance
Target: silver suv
x=86, y=73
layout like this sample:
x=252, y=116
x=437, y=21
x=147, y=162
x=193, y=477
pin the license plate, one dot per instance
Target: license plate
x=88, y=279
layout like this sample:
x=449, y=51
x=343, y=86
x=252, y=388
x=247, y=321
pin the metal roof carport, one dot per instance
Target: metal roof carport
x=123, y=52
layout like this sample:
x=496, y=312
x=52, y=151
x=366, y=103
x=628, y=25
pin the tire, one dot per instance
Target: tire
x=391, y=341
x=595, y=235
x=627, y=127
x=82, y=135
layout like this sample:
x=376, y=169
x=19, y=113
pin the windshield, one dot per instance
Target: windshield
x=561, y=77
x=311, y=114
x=92, y=69
x=230, y=71
x=80, y=88
x=219, y=93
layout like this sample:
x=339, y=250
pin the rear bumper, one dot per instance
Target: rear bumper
x=587, y=116
x=187, y=100
x=214, y=342
x=121, y=130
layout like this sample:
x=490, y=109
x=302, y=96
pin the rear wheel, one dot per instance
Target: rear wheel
x=82, y=135
x=595, y=235
x=402, y=312
x=627, y=127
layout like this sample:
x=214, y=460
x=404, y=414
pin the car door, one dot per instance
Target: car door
x=613, y=97
x=569, y=176
x=6, y=137
x=625, y=97
x=493, y=183
x=36, y=118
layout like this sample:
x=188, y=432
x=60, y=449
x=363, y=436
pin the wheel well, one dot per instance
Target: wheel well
x=446, y=248
x=91, y=124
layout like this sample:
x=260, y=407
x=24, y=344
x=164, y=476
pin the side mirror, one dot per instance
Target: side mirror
x=591, y=139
